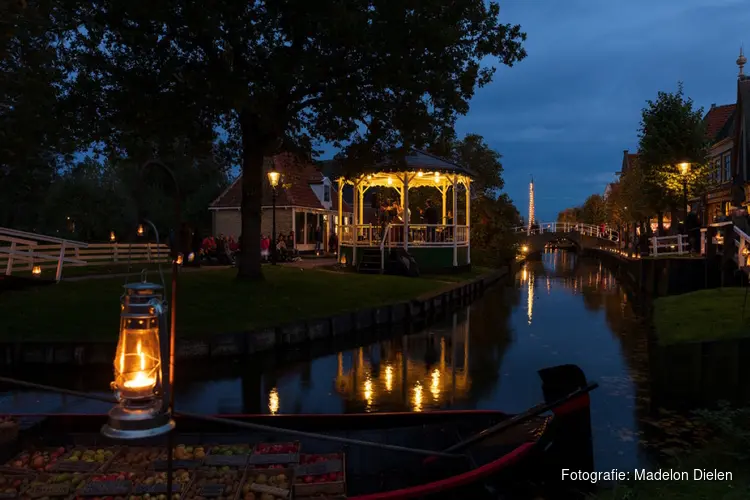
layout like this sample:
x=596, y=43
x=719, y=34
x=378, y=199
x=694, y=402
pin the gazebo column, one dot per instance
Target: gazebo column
x=467, y=183
x=455, y=225
x=355, y=233
x=405, y=207
x=360, y=203
x=340, y=222
x=444, y=192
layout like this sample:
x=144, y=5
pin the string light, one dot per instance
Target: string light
x=531, y=204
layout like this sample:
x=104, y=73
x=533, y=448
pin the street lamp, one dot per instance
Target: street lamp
x=273, y=179
x=684, y=169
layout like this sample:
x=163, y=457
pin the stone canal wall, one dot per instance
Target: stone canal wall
x=413, y=313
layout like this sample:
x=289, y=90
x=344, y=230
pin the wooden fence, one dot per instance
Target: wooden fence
x=25, y=257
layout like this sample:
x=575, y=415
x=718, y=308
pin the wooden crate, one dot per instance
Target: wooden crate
x=306, y=476
x=276, y=482
x=261, y=459
x=72, y=460
x=56, y=485
x=208, y=485
x=25, y=460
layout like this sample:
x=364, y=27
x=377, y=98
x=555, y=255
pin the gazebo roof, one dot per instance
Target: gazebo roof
x=419, y=160
x=416, y=161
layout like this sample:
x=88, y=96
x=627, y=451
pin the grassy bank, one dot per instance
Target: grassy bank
x=704, y=315
x=727, y=452
x=209, y=302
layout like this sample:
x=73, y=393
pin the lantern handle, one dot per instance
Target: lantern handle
x=158, y=256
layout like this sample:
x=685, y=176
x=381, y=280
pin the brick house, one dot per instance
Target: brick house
x=305, y=200
x=719, y=123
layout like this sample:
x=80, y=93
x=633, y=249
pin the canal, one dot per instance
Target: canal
x=559, y=310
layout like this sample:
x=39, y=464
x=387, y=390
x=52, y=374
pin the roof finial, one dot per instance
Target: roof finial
x=741, y=61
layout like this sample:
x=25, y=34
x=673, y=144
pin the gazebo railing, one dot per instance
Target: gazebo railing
x=422, y=235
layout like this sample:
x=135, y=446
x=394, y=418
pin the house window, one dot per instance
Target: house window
x=717, y=170
x=327, y=193
x=728, y=167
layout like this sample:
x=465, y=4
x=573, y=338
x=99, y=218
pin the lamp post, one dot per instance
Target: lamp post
x=684, y=169
x=273, y=179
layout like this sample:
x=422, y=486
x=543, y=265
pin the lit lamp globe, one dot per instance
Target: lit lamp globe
x=112, y=236
x=684, y=167
x=138, y=383
x=273, y=178
x=140, y=231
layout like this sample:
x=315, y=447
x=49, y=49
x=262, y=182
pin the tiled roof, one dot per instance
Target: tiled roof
x=716, y=120
x=295, y=175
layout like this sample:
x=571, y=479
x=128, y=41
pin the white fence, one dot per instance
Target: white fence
x=570, y=227
x=669, y=245
x=31, y=252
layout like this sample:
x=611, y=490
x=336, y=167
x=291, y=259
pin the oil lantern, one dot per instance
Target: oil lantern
x=139, y=383
x=112, y=236
x=36, y=271
x=140, y=231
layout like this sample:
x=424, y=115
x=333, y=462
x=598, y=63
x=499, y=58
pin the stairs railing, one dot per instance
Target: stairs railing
x=386, y=237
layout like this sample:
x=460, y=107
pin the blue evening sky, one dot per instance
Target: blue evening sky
x=566, y=113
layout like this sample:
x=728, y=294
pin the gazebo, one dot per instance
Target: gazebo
x=435, y=247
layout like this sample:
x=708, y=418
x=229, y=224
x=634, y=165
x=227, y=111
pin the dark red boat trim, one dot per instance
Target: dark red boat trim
x=455, y=481
x=235, y=416
x=576, y=404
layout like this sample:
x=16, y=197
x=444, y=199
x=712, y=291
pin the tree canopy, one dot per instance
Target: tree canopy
x=672, y=132
x=363, y=75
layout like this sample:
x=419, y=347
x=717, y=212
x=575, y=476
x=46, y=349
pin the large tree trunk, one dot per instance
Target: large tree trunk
x=252, y=194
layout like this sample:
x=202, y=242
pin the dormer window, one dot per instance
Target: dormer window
x=326, y=193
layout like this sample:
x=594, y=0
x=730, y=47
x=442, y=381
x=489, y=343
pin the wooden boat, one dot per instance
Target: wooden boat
x=490, y=462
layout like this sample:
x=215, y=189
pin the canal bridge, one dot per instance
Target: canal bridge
x=580, y=234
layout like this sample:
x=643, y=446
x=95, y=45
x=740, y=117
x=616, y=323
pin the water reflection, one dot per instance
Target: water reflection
x=420, y=372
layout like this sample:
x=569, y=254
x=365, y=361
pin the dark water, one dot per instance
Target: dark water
x=560, y=310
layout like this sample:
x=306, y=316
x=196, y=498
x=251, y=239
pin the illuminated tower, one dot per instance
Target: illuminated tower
x=531, y=205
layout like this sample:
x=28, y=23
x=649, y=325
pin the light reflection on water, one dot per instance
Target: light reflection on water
x=483, y=357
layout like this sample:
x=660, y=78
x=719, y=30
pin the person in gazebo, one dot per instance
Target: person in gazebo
x=430, y=218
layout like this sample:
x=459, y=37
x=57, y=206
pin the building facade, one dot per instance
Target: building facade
x=305, y=201
x=719, y=123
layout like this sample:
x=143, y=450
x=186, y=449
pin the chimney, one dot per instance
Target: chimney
x=713, y=105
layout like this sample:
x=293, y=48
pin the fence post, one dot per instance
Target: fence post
x=654, y=250
x=679, y=244
x=9, y=265
x=58, y=274
x=148, y=252
x=115, y=251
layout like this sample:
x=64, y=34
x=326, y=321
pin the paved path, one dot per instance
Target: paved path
x=302, y=264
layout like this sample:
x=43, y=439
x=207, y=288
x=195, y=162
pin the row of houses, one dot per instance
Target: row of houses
x=728, y=130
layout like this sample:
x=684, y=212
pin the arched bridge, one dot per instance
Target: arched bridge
x=580, y=234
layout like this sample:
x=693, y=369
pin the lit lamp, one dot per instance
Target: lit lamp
x=745, y=251
x=36, y=271
x=343, y=259
x=273, y=179
x=390, y=181
x=139, y=379
x=437, y=177
x=140, y=230
x=112, y=236
x=524, y=249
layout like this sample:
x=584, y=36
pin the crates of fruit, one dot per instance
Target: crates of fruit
x=279, y=454
x=14, y=485
x=56, y=485
x=267, y=484
x=233, y=456
x=320, y=475
x=82, y=459
x=37, y=460
x=135, y=458
x=183, y=457
x=214, y=485
x=153, y=484
x=112, y=486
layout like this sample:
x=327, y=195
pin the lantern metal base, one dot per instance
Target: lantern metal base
x=137, y=423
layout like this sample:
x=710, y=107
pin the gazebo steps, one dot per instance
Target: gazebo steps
x=370, y=261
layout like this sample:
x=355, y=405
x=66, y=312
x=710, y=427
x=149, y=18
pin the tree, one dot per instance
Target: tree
x=492, y=223
x=572, y=214
x=594, y=210
x=672, y=132
x=35, y=133
x=365, y=76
